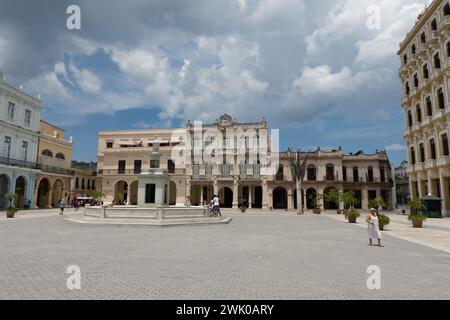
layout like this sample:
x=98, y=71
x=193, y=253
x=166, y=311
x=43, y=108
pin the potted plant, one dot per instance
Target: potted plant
x=383, y=220
x=349, y=200
x=335, y=196
x=377, y=204
x=243, y=206
x=352, y=215
x=416, y=215
x=10, y=211
x=316, y=203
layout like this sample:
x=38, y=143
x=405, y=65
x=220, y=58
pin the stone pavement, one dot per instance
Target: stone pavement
x=274, y=255
x=434, y=234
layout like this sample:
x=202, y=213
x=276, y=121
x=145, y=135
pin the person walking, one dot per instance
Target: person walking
x=373, y=227
x=62, y=206
x=216, y=205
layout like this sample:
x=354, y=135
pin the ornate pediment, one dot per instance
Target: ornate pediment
x=225, y=121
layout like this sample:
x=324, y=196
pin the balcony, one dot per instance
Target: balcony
x=426, y=121
x=443, y=161
x=422, y=49
x=429, y=164
x=18, y=163
x=57, y=170
x=434, y=37
x=407, y=132
x=438, y=115
x=445, y=23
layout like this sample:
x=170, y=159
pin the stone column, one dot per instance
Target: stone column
x=188, y=192
x=249, y=197
x=443, y=193
x=202, y=199
x=235, y=194
x=215, y=187
x=290, y=200
x=265, y=191
x=430, y=184
x=420, y=191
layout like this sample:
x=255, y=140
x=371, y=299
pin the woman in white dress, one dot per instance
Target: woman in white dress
x=372, y=227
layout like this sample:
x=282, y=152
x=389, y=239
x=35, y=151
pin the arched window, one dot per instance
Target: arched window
x=429, y=106
x=416, y=81
x=446, y=9
x=418, y=113
x=447, y=47
x=77, y=183
x=413, y=48
x=405, y=58
x=423, y=37
x=60, y=156
x=82, y=184
x=407, y=88
x=437, y=60
x=441, y=100
x=311, y=172
x=280, y=173
x=433, y=25
x=425, y=72
x=47, y=153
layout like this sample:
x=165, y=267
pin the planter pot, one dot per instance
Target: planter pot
x=316, y=211
x=417, y=223
x=381, y=226
x=243, y=210
x=352, y=219
x=339, y=211
x=10, y=214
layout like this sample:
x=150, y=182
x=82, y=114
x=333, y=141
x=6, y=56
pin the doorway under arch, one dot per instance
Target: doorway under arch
x=43, y=194
x=120, y=192
x=226, y=197
x=279, y=198
x=311, y=196
x=4, y=188
x=20, y=192
x=328, y=205
x=57, y=192
x=134, y=193
x=173, y=194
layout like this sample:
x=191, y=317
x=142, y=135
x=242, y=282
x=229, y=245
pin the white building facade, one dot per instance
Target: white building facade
x=19, y=126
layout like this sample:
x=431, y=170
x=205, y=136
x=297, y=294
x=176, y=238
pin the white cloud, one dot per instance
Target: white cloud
x=141, y=125
x=86, y=80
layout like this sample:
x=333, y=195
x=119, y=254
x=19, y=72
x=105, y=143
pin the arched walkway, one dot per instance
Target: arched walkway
x=226, y=197
x=4, y=188
x=328, y=205
x=57, y=192
x=134, y=193
x=173, y=194
x=120, y=192
x=43, y=194
x=311, y=196
x=21, y=186
x=279, y=197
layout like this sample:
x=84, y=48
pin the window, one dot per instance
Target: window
x=121, y=166
x=405, y=59
x=447, y=47
x=416, y=81
x=437, y=60
x=418, y=113
x=311, y=172
x=27, y=118
x=89, y=184
x=47, y=153
x=77, y=183
x=407, y=88
x=382, y=175
x=137, y=166
x=433, y=149
x=330, y=172
x=82, y=184
x=433, y=25
x=413, y=48
x=109, y=145
x=93, y=184
x=11, y=110
x=280, y=173
x=7, y=147
x=355, y=174
x=425, y=71
x=446, y=10
x=423, y=37
x=370, y=174
x=441, y=99
x=170, y=166
x=154, y=164
x=429, y=106
x=410, y=119
x=25, y=150
x=150, y=193
x=445, y=147
x=422, y=152
x=344, y=173
x=412, y=156
x=60, y=156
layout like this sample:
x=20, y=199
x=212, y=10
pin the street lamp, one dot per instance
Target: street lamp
x=298, y=168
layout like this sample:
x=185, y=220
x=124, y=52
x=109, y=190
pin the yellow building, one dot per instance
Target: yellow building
x=424, y=74
x=85, y=179
x=54, y=161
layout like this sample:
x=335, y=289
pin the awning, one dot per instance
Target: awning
x=129, y=143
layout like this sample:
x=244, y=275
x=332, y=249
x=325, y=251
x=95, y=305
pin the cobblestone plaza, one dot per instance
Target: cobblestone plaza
x=257, y=256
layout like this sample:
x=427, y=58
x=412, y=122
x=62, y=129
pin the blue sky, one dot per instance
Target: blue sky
x=314, y=69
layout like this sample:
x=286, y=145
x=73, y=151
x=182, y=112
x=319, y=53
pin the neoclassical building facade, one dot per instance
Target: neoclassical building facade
x=425, y=75
x=258, y=176
x=19, y=127
x=54, y=159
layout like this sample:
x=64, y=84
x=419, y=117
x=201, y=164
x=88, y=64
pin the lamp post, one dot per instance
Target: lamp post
x=298, y=168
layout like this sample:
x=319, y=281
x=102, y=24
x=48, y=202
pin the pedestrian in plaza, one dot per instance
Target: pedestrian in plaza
x=216, y=205
x=373, y=228
x=62, y=205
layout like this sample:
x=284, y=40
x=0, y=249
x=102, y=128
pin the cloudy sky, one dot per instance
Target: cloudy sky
x=314, y=69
